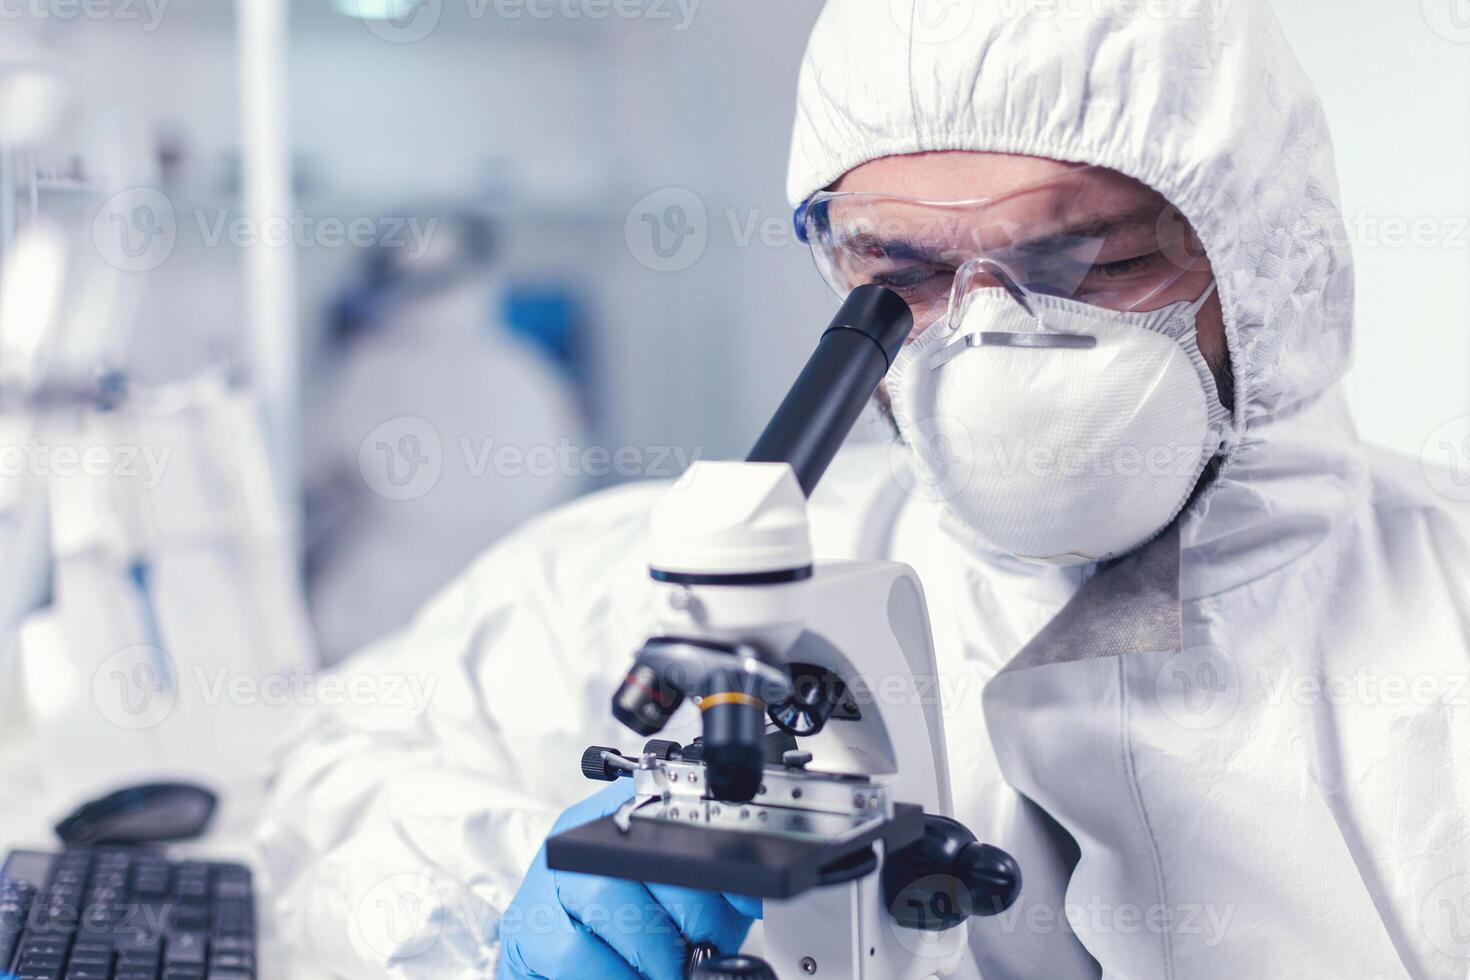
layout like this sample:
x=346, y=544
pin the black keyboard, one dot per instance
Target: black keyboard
x=124, y=914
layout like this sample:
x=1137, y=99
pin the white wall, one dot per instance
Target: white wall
x=1397, y=95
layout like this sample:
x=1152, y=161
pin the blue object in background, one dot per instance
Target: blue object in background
x=548, y=316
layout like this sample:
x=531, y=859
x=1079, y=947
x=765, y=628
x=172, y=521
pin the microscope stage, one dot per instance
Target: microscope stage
x=753, y=863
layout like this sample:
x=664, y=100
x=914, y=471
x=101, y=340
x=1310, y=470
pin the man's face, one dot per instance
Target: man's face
x=1033, y=192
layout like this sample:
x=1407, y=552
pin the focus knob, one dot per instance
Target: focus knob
x=992, y=877
x=734, y=968
x=594, y=763
x=946, y=876
x=663, y=749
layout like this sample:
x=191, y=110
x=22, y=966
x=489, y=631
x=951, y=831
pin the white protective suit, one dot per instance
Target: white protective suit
x=1241, y=751
x=436, y=374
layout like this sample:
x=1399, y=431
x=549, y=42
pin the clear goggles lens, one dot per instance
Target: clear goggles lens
x=1089, y=235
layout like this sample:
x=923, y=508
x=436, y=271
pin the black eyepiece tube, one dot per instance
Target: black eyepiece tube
x=843, y=372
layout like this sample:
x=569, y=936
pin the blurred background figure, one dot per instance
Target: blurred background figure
x=432, y=368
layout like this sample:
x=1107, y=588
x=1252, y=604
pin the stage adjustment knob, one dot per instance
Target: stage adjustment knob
x=664, y=749
x=594, y=765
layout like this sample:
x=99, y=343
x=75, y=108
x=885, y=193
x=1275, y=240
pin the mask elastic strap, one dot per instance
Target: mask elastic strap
x=1204, y=297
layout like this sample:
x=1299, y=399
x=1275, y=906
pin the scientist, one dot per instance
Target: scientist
x=425, y=381
x=1137, y=645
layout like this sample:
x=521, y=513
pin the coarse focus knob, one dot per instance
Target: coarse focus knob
x=664, y=749
x=992, y=876
x=735, y=968
x=595, y=766
x=946, y=876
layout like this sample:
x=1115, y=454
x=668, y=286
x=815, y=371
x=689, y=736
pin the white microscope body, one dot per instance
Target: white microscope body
x=867, y=623
x=845, y=834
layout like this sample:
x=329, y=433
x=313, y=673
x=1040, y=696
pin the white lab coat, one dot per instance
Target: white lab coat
x=1242, y=751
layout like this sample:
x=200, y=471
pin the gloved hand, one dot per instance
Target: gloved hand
x=584, y=927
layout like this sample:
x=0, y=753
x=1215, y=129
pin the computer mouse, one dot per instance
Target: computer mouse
x=144, y=814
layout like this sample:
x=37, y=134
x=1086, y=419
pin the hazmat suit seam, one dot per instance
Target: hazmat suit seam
x=1135, y=793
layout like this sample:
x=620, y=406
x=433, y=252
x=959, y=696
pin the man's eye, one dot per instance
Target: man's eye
x=902, y=279
x=1122, y=267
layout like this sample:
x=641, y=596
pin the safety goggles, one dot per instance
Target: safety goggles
x=1087, y=234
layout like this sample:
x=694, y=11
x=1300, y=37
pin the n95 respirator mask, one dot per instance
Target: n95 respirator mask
x=1055, y=430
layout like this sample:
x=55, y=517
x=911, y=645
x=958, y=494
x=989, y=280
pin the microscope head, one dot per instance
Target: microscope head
x=731, y=556
x=732, y=552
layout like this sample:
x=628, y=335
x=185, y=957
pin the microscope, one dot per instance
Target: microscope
x=820, y=783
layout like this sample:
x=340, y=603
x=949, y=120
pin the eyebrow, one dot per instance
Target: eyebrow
x=900, y=248
x=1102, y=225
x=1091, y=226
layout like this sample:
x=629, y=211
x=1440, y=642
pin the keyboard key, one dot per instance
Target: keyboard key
x=90, y=949
x=232, y=961
x=30, y=868
x=184, y=947
x=141, y=947
x=184, y=971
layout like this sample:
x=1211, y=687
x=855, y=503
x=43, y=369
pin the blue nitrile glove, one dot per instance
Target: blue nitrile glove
x=584, y=927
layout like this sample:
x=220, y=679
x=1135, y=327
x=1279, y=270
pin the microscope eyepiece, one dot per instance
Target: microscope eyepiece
x=837, y=382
